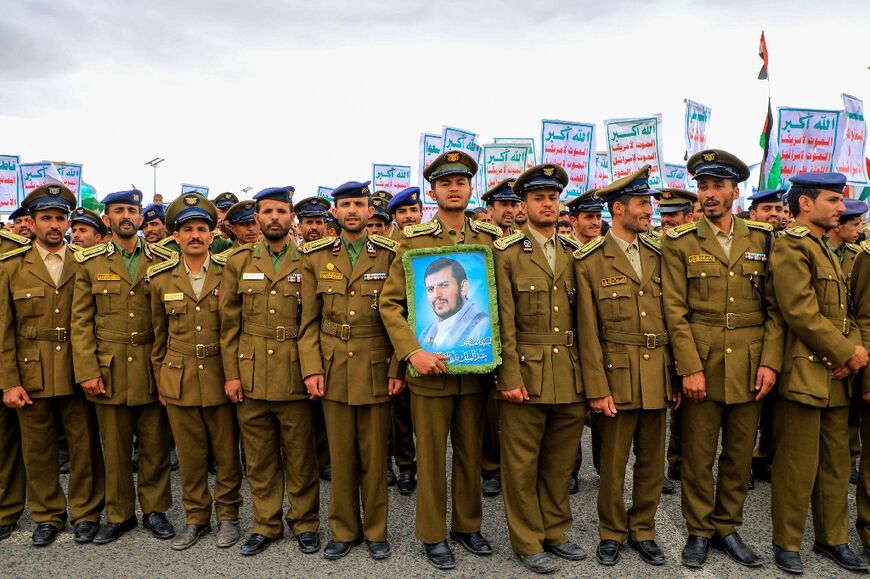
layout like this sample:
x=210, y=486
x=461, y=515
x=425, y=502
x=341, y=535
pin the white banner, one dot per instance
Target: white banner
x=633, y=143
x=697, y=119
x=188, y=188
x=430, y=147
x=676, y=176
x=500, y=162
x=571, y=146
x=34, y=175
x=853, y=142
x=9, y=182
x=807, y=140
x=390, y=178
x=531, y=156
x=325, y=193
x=602, y=170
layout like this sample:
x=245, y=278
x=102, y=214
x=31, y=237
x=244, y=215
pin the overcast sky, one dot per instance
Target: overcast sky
x=258, y=94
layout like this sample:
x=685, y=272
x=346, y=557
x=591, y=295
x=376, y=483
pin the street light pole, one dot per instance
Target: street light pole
x=153, y=164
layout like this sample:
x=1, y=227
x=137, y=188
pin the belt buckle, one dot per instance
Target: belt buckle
x=281, y=333
x=133, y=338
x=650, y=341
x=570, y=335
x=200, y=351
x=60, y=334
x=344, y=332
x=728, y=322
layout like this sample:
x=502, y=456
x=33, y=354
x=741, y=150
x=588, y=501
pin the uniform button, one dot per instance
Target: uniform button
x=731, y=299
x=703, y=274
x=727, y=350
x=556, y=330
x=270, y=352
x=57, y=292
x=810, y=358
x=842, y=307
x=29, y=296
x=555, y=350
x=350, y=354
x=755, y=272
x=105, y=291
x=201, y=367
x=643, y=314
x=57, y=348
x=613, y=295
x=272, y=312
x=829, y=364
x=610, y=366
x=173, y=311
x=824, y=359
x=132, y=315
x=26, y=359
x=273, y=292
x=555, y=289
x=730, y=274
x=329, y=290
x=132, y=293
x=830, y=276
x=241, y=356
x=555, y=308
x=199, y=328
x=522, y=359
x=353, y=313
x=197, y=308
x=57, y=311
x=646, y=356
x=250, y=290
x=352, y=293
x=129, y=358
x=531, y=287
x=640, y=293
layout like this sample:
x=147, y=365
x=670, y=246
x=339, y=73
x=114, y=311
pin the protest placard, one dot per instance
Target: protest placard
x=390, y=178
x=531, y=156
x=188, y=188
x=326, y=193
x=807, y=140
x=9, y=182
x=601, y=175
x=430, y=147
x=851, y=160
x=502, y=161
x=676, y=176
x=34, y=175
x=572, y=146
x=696, y=121
x=633, y=143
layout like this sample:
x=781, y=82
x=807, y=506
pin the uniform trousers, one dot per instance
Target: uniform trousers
x=12, y=477
x=403, y=433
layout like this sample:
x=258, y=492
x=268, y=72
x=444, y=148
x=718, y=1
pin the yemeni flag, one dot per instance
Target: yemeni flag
x=771, y=174
x=762, y=52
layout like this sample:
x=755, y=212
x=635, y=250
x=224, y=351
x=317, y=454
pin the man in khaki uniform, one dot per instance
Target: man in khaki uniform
x=223, y=202
x=190, y=378
x=406, y=208
x=261, y=295
x=626, y=365
x=86, y=229
x=442, y=404
x=346, y=360
x=112, y=337
x=823, y=348
x=22, y=223
x=240, y=221
x=153, y=219
x=36, y=283
x=540, y=397
x=727, y=350
x=860, y=284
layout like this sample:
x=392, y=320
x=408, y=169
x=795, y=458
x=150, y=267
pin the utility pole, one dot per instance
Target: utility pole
x=153, y=164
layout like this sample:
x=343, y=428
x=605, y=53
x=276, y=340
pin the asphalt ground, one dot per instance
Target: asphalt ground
x=138, y=554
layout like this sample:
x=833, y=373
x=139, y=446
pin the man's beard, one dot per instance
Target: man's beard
x=276, y=235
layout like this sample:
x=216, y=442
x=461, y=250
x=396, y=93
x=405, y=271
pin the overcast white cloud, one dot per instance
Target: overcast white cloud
x=308, y=93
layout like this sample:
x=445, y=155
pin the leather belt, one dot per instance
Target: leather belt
x=649, y=341
x=131, y=338
x=541, y=339
x=201, y=351
x=44, y=334
x=841, y=324
x=277, y=333
x=729, y=321
x=346, y=331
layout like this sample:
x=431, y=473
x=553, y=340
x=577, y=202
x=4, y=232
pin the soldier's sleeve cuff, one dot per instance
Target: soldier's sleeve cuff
x=406, y=358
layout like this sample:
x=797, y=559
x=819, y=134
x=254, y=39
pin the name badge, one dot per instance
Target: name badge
x=609, y=281
x=331, y=275
x=173, y=297
x=253, y=275
x=374, y=276
x=108, y=277
x=702, y=258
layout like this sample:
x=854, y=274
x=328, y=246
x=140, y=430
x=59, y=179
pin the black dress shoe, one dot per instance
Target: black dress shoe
x=649, y=551
x=473, y=542
x=573, y=484
x=853, y=476
x=338, y=549
x=842, y=556
x=439, y=555
x=406, y=483
x=44, y=534
x=85, y=531
x=6, y=530
x=490, y=486
x=607, y=552
x=308, y=542
x=669, y=487
x=788, y=561
x=737, y=550
x=255, y=544
x=159, y=525
x=570, y=551
x=695, y=552
x=539, y=563
x=391, y=477
x=379, y=549
x=112, y=531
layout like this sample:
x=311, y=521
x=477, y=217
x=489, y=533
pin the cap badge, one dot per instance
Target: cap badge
x=53, y=190
x=511, y=182
x=364, y=191
x=548, y=171
x=452, y=157
x=667, y=195
x=191, y=200
x=413, y=197
x=710, y=156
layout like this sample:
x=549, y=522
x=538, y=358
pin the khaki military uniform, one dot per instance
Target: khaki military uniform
x=626, y=355
x=259, y=326
x=539, y=352
x=442, y=405
x=111, y=338
x=190, y=377
x=37, y=355
x=342, y=337
x=860, y=284
x=811, y=442
x=719, y=324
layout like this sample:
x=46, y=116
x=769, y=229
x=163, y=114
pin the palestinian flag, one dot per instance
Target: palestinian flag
x=762, y=52
x=770, y=174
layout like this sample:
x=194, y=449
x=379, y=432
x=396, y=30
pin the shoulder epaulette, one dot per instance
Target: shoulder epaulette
x=763, y=226
x=430, y=227
x=13, y=252
x=589, y=248
x=159, y=250
x=798, y=231
x=853, y=247
x=19, y=239
x=570, y=241
x=74, y=248
x=310, y=246
x=651, y=242
x=170, y=263
x=82, y=255
x=778, y=234
x=165, y=240
x=221, y=258
x=384, y=242
x=655, y=233
x=503, y=243
x=486, y=227
x=865, y=245
x=683, y=229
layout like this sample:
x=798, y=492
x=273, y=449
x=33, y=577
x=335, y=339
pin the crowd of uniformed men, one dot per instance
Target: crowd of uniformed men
x=276, y=336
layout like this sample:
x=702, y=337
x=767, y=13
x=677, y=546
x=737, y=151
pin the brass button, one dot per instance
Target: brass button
x=105, y=291
x=824, y=359
x=199, y=328
x=610, y=367
x=352, y=292
x=842, y=307
x=129, y=358
x=730, y=274
x=375, y=292
x=728, y=350
x=272, y=312
x=57, y=348
x=132, y=293
x=703, y=274
x=173, y=311
x=555, y=350
x=26, y=359
x=132, y=315
x=350, y=354
x=555, y=308
x=613, y=295
x=329, y=290
x=830, y=276
x=28, y=296
x=643, y=314
x=731, y=299
x=531, y=287
x=829, y=364
x=755, y=272
x=640, y=293
x=241, y=356
x=646, y=356
x=57, y=311
x=522, y=359
x=810, y=358
x=556, y=330
x=198, y=308
x=201, y=367
x=353, y=313
x=270, y=352
x=57, y=292
x=273, y=292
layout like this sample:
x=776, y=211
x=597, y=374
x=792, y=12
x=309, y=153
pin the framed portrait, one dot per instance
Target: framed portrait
x=452, y=305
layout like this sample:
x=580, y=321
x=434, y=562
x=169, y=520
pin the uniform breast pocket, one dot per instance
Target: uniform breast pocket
x=171, y=376
x=614, y=303
x=252, y=293
x=828, y=286
x=30, y=370
x=702, y=278
x=175, y=315
x=531, y=294
x=106, y=294
x=29, y=302
x=618, y=376
x=329, y=290
x=754, y=273
x=531, y=367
